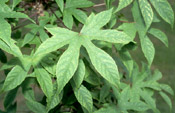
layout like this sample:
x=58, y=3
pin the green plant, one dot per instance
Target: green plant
x=75, y=58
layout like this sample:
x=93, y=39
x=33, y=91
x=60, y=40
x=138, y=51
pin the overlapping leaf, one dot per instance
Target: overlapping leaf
x=71, y=9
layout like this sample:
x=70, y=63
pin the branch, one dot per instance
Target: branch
x=98, y=5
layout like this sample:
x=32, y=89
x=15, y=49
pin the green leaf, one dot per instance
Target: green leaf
x=147, y=12
x=84, y=97
x=67, y=65
x=148, y=49
x=10, y=97
x=79, y=75
x=44, y=80
x=123, y=4
x=79, y=15
x=137, y=106
x=112, y=36
x=103, y=63
x=160, y=35
x=35, y=106
x=78, y=3
x=55, y=99
x=129, y=29
x=164, y=10
x=167, y=99
x=43, y=35
x=167, y=88
x=97, y=21
x=61, y=37
x=108, y=109
x=68, y=19
x=15, y=77
x=5, y=32
x=15, y=3
x=29, y=36
x=60, y=4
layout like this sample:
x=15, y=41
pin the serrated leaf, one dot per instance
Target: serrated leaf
x=61, y=37
x=60, y=4
x=112, y=36
x=123, y=4
x=15, y=77
x=148, y=49
x=84, y=97
x=147, y=12
x=97, y=21
x=164, y=10
x=167, y=99
x=103, y=63
x=67, y=65
x=79, y=75
x=160, y=35
x=44, y=80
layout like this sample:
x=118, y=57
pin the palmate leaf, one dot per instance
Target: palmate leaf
x=67, y=65
x=164, y=10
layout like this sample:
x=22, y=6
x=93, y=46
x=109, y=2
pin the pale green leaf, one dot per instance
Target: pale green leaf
x=35, y=106
x=61, y=37
x=166, y=98
x=164, y=10
x=97, y=21
x=137, y=106
x=108, y=109
x=79, y=15
x=123, y=4
x=67, y=65
x=112, y=36
x=129, y=29
x=167, y=88
x=148, y=49
x=15, y=77
x=79, y=75
x=29, y=36
x=5, y=31
x=160, y=35
x=68, y=19
x=78, y=3
x=103, y=63
x=147, y=12
x=55, y=99
x=44, y=80
x=60, y=4
x=43, y=35
x=84, y=97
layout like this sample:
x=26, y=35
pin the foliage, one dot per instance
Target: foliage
x=81, y=63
